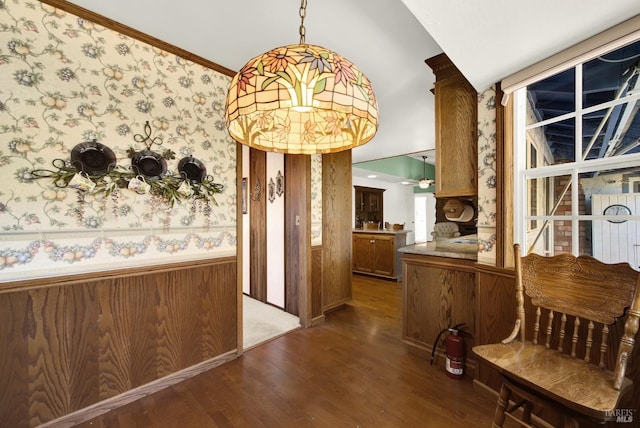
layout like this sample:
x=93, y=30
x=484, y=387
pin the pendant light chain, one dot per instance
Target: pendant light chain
x=303, y=14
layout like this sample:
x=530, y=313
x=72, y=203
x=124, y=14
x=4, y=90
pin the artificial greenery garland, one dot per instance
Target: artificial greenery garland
x=165, y=186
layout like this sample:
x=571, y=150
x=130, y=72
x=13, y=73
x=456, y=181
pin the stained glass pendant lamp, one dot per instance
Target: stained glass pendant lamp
x=301, y=99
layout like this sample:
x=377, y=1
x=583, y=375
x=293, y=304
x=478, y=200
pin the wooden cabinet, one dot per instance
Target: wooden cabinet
x=456, y=123
x=369, y=205
x=376, y=253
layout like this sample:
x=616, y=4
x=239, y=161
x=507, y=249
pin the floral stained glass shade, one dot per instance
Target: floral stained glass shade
x=301, y=99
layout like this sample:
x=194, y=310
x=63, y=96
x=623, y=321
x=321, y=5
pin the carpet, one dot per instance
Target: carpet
x=262, y=322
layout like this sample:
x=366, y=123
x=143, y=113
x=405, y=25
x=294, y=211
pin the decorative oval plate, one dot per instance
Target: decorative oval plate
x=93, y=158
x=149, y=164
x=192, y=169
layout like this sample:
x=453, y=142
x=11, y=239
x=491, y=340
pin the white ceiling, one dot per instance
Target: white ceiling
x=387, y=40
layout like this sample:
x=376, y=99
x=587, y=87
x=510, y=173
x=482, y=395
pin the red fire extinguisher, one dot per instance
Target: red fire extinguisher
x=454, y=351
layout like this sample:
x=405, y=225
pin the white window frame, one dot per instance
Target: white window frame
x=573, y=169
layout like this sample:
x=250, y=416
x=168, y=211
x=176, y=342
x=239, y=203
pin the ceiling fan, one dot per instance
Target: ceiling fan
x=424, y=181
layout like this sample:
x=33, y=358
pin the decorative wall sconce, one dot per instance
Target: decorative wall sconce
x=272, y=190
x=279, y=184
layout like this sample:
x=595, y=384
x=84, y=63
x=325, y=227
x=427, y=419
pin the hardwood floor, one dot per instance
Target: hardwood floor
x=351, y=371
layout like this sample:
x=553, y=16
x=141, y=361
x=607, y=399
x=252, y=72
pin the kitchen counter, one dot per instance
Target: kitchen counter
x=429, y=249
x=394, y=232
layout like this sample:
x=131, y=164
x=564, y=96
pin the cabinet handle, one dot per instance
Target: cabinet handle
x=372, y=241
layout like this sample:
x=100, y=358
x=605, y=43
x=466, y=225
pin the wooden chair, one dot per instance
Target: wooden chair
x=575, y=300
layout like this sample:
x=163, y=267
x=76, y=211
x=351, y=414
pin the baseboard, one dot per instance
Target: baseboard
x=132, y=395
x=317, y=320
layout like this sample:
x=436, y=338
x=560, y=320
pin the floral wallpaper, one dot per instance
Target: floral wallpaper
x=487, y=176
x=68, y=81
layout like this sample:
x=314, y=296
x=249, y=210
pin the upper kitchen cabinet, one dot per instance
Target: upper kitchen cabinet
x=456, y=123
x=369, y=206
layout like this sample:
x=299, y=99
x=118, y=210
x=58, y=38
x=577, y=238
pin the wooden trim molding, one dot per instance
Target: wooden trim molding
x=72, y=279
x=505, y=182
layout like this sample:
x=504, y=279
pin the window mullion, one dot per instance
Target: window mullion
x=579, y=156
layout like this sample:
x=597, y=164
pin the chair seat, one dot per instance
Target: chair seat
x=582, y=387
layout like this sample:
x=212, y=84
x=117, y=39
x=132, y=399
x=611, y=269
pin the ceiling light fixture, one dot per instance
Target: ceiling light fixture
x=301, y=99
x=424, y=181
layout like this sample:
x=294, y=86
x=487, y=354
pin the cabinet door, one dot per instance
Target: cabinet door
x=385, y=257
x=363, y=253
x=456, y=138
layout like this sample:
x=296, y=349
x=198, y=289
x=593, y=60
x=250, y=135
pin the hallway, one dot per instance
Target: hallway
x=351, y=371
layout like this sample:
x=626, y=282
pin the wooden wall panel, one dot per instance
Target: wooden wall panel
x=298, y=237
x=316, y=283
x=438, y=293
x=217, y=318
x=81, y=315
x=337, y=209
x=258, y=224
x=68, y=345
x=14, y=389
x=496, y=313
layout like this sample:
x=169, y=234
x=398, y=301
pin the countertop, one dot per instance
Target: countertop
x=429, y=249
x=393, y=232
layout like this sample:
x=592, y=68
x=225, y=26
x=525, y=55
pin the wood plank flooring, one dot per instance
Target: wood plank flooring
x=351, y=371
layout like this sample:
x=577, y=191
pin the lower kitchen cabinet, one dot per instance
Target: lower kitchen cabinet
x=376, y=253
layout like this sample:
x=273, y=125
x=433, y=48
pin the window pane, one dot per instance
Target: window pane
x=553, y=237
x=554, y=142
x=612, y=132
x=549, y=196
x=551, y=97
x=610, y=76
x=586, y=238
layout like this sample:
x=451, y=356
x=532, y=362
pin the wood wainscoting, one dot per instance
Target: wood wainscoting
x=439, y=292
x=337, y=208
x=74, y=341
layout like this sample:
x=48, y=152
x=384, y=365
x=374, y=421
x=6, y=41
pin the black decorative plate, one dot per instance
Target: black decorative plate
x=93, y=158
x=149, y=164
x=192, y=169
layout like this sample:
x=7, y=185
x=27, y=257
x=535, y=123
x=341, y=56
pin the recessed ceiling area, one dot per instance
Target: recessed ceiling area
x=407, y=176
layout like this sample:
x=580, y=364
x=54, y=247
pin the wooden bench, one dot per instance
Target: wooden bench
x=563, y=363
